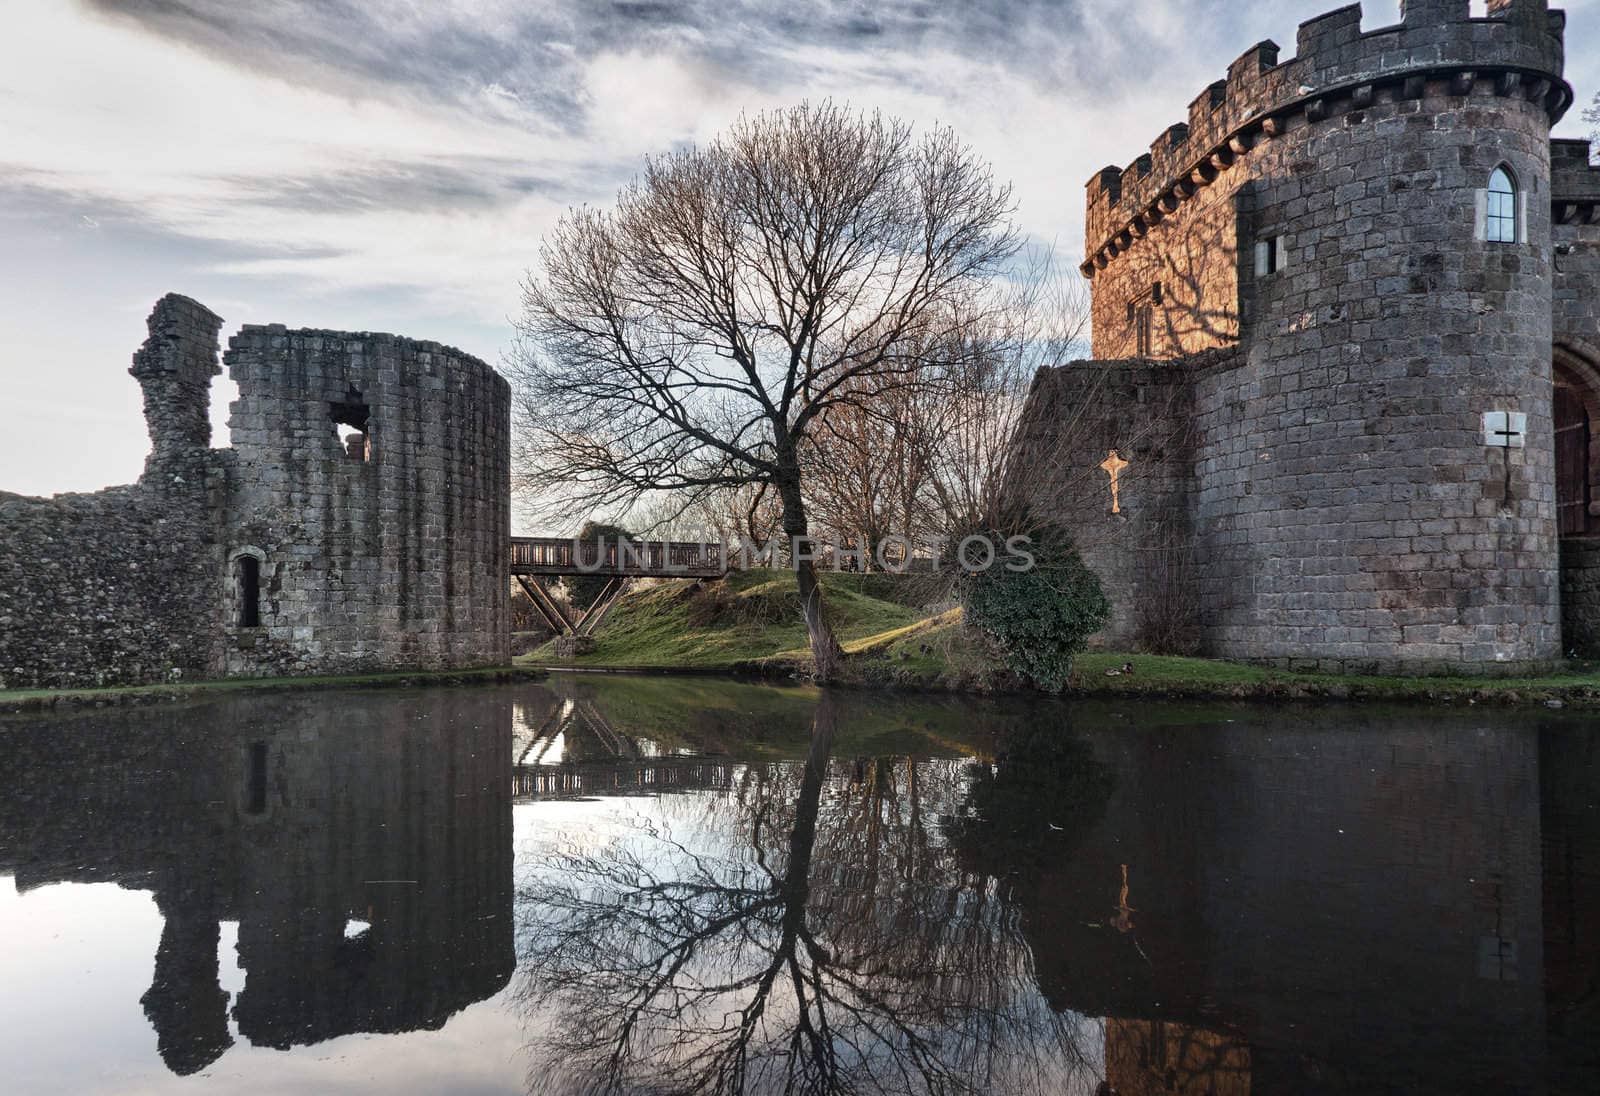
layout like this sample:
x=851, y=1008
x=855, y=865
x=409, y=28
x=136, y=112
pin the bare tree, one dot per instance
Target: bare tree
x=992, y=359
x=927, y=456
x=1592, y=116
x=693, y=338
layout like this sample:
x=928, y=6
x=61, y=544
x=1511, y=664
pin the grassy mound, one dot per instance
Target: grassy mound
x=741, y=621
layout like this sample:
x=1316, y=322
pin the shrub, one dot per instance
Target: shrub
x=1042, y=617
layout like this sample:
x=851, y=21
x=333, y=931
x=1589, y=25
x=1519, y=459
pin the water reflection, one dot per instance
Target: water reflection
x=808, y=932
x=365, y=853
x=1339, y=901
x=737, y=888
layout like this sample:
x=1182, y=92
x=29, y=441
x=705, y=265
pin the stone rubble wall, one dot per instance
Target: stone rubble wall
x=100, y=589
x=1575, y=235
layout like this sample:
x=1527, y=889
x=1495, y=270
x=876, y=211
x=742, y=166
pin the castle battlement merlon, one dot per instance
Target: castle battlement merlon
x=1517, y=49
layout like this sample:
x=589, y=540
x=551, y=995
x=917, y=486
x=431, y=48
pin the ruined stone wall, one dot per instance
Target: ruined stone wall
x=119, y=586
x=391, y=552
x=1349, y=513
x=385, y=553
x=1074, y=417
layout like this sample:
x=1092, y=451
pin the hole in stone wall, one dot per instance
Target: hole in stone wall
x=249, y=592
x=256, y=790
x=350, y=417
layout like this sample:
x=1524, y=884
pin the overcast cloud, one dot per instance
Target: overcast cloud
x=392, y=166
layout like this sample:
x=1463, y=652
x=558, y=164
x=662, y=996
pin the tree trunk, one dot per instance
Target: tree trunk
x=825, y=650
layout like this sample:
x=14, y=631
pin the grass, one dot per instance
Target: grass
x=740, y=622
x=751, y=623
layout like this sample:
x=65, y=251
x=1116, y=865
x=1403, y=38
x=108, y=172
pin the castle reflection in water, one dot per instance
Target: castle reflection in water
x=1254, y=901
x=364, y=848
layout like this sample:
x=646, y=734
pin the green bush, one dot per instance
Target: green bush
x=1042, y=617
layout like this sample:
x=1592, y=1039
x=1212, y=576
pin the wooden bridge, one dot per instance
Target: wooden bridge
x=536, y=559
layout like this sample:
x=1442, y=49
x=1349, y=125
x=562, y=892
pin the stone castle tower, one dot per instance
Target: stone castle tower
x=1347, y=323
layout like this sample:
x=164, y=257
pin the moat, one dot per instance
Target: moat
x=657, y=885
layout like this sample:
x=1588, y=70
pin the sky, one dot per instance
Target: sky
x=391, y=165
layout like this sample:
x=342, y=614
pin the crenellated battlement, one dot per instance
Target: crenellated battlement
x=1517, y=49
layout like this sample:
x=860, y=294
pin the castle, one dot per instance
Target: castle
x=359, y=521
x=1347, y=337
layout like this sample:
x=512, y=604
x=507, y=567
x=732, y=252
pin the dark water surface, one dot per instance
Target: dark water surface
x=671, y=886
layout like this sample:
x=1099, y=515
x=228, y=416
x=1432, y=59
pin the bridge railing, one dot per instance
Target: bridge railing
x=609, y=556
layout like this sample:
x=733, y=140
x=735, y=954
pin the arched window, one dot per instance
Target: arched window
x=1500, y=208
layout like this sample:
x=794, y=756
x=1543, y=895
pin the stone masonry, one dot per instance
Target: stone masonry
x=294, y=551
x=1313, y=260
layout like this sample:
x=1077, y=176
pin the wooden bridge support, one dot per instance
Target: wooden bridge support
x=560, y=622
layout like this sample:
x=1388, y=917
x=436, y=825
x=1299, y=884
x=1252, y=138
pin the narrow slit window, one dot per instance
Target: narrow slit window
x=1142, y=317
x=1500, y=208
x=249, y=592
x=350, y=418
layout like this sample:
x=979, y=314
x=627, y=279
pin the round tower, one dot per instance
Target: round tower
x=1369, y=223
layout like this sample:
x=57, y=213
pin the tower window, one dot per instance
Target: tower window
x=1500, y=208
x=249, y=592
x=1141, y=318
x=1271, y=256
x=1143, y=322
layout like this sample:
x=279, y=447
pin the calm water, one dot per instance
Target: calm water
x=659, y=886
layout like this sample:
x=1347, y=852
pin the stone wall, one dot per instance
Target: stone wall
x=1185, y=272
x=387, y=552
x=1075, y=416
x=391, y=555
x=1580, y=596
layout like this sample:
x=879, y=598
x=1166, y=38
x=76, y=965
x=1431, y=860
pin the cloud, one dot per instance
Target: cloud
x=393, y=164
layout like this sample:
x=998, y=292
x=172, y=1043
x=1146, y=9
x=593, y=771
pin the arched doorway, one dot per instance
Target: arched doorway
x=1574, y=442
x=1576, y=414
x=1577, y=422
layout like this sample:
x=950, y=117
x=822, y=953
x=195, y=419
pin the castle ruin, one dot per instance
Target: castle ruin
x=1347, y=328
x=359, y=521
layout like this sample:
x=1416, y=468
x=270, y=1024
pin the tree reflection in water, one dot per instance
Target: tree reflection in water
x=812, y=931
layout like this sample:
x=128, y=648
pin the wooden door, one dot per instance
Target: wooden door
x=1572, y=461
